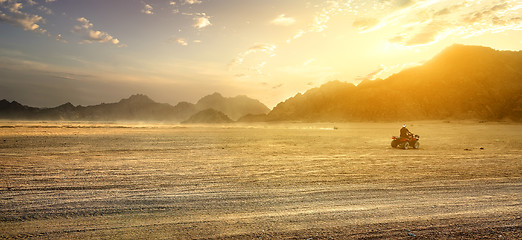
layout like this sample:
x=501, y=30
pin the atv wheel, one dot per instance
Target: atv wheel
x=406, y=145
x=394, y=144
x=416, y=145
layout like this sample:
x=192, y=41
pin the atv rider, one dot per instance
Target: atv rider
x=405, y=133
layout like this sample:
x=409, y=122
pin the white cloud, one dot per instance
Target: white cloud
x=16, y=17
x=15, y=7
x=45, y=10
x=321, y=19
x=308, y=62
x=86, y=24
x=202, y=21
x=99, y=36
x=175, y=5
x=59, y=38
x=258, y=48
x=26, y=21
x=283, y=20
x=94, y=36
x=181, y=41
x=258, y=68
x=192, y=2
x=384, y=71
x=147, y=9
x=464, y=19
x=265, y=48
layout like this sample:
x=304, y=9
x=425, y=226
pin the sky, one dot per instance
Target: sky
x=92, y=51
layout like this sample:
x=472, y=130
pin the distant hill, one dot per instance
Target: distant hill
x=15, y=110
x=137, y=107
x=209, y=115
x=235, y=107
x=462, y=82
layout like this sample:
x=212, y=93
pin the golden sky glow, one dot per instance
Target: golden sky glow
x=87, y=52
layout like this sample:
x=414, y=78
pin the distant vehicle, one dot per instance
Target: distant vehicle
x=406, y=143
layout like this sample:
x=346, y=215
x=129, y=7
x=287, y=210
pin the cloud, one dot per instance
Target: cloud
x=181, y=41
x=175, y=5
x=277, y=86
x=11, y=12
x=403, y=3
x=397, y=39
x=372, y=75
x=256, y=64
x=283, y=20
x=59, y=38
x=15, y=7
x=384, y=71
x=191, y=2
x=428, y=34
x=449, y=10
x=202, y=21
x=486, y=13
x=308, y=62
x=365, y=23
x=147, y=9
x=266, y=48
x=101, y=37
x=427, y=22
x=45, y=10
x=320, y=20
x=86, y=24
x=94, y=36
x=26, y=21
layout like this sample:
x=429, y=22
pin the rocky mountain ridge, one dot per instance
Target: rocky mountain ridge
x=462, y=82
x=137, y=107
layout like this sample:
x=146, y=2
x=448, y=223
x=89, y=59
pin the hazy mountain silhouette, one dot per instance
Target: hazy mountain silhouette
x=235, y=107
x=208, y=115
x=137, y=107
x=462, y=82
x=15, y=110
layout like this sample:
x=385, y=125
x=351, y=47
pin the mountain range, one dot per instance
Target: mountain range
x=461, y=82
x=137, y=107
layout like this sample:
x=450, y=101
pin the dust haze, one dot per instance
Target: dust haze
x=65, y=180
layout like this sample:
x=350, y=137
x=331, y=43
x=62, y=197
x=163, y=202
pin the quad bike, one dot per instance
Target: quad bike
x=405, y=143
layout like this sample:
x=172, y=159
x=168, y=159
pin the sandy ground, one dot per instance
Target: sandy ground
x=268, y=181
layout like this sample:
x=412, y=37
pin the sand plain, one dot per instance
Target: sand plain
x=72, y=180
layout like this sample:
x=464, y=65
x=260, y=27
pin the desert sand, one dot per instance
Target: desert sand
x=81, y=180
